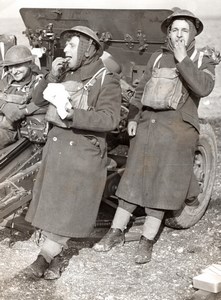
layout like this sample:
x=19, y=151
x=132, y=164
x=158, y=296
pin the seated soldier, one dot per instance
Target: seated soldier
x=16, y=86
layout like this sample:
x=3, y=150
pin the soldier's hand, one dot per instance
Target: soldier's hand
x=12, y=112
x=180, y=50
x=132, y=128
x=57, y=65
x=70, y=114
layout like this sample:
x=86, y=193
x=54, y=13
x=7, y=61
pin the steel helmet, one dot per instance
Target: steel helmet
x=182, y=13
x=17, y=55
x=85, y=31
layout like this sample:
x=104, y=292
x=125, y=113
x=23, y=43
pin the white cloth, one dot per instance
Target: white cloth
x=56, y=94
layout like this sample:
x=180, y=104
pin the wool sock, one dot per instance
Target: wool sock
x=121, y=219
x=151, y=227
x=50, y=249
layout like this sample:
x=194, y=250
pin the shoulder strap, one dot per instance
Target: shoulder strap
x=157, y=59
x=92, y=81
x=200, y=59
x=2, y=50
x=192, y=57
x=103, y=76
x=197, y=56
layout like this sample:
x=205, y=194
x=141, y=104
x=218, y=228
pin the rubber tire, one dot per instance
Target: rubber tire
x=206, y=152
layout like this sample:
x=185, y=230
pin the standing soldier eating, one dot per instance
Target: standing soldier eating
x=85, y=102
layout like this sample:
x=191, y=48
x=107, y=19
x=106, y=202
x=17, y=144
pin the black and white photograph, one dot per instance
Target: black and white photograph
x=110, y=150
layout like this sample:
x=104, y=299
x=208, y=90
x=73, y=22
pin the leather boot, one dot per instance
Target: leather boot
x=38, y=267
x=114, y=237
x=144, y=251
x=55, y=268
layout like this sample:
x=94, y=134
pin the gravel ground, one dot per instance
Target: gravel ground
x=178, y=256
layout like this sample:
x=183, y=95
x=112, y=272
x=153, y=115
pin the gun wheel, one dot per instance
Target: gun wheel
x=204, y=169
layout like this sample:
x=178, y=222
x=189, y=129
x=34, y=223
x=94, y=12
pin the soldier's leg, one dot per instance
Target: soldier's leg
x=151, y=228
x=48, y=262
x=115, y=235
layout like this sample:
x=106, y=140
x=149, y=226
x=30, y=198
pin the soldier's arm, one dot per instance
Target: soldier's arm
x=106, y=115
x=200, y=81
x=37, y=95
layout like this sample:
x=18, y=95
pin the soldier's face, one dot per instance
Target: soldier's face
x=179, y=31
x=20, y=72
x=71, y=51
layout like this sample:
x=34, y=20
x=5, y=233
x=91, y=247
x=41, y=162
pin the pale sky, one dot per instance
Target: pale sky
x=10, y=8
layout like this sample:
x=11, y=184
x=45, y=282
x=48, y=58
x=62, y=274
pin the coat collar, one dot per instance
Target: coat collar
x=86, y=72
x=167, y=49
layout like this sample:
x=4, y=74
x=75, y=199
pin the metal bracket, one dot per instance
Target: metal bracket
x=106, y=37
x=142, y=41
x=129, y=41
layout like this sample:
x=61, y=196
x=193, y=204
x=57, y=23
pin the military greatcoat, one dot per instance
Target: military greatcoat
x=71, y=179
x=159, y=170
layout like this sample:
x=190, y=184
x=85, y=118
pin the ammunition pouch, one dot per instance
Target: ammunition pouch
x=164, y=89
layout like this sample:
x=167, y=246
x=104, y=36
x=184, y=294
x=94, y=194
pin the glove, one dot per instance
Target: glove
x=12, y=112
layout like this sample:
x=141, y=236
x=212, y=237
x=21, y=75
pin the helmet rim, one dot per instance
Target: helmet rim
x=84, y=31
x=179, y=13
x=11, y=58
x=7, y=63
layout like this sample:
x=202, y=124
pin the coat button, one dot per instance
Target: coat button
x=153, y=121
x=55, y=138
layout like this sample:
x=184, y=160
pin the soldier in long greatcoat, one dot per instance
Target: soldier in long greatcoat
x=164, y=129
x=72, y=176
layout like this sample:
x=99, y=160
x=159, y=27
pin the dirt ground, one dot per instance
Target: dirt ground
x=178, y=255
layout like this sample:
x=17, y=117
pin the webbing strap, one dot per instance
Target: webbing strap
x=157, y=59
x=193, y=55
x=2, y=50
x=200, y=59
x=92, y=81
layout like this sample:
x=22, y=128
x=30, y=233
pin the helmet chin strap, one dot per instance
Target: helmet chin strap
x=87, y=52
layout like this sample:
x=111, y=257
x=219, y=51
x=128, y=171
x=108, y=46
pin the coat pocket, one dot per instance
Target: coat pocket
x=97, y=143
x=194, y=121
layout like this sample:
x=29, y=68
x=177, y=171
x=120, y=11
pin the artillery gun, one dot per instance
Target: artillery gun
x=130, y=36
